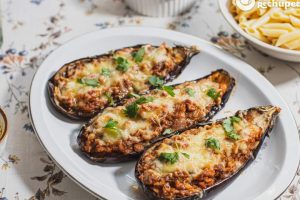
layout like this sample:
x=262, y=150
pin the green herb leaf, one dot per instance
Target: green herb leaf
x=212, y=143
x=167, y=131
x=139, y=55
x=122, y=64
x=143, y=100
x=213, y=93
x=156, y=81
x=186, y=155
x=79, y=80
x=111, y=128
x=190, y=92
x=169, y=157
x=132, y=110
x=227, y=125
x=133, y=95
x=110, y=99
x=235, y=119
x=169, y=90
x=105, y=72
x=111, y=124
x=89, y=82
x=232, y=135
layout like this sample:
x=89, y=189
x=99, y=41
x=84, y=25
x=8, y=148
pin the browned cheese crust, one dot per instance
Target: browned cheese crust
x=200, y=164
x=86, y=86
x=191, y=103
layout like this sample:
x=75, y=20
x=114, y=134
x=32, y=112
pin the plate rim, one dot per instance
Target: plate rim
x=118, y=31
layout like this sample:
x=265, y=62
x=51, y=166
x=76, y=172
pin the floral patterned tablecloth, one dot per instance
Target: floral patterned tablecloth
x=33, y=28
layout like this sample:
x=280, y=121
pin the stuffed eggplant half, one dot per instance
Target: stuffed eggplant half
x=123, y=132
x=84, y=87
x=198, y=161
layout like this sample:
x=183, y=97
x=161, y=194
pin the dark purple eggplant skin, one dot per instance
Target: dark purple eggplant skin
x=212, y=191
x=117, y=158
x=190, y=53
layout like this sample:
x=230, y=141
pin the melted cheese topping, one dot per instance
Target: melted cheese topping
x=162, y=104
x=84, y=87
x=202, y=157
x=185, y=164
x=93, y=70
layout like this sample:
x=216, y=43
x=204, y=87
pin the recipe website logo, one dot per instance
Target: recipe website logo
x=247, y=5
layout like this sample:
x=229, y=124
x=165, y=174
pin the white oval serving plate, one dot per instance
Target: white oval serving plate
x=267, y=177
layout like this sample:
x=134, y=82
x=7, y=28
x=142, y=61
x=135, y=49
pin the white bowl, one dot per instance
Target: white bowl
x=3, y=131
x=277, y=52
x=160, y=8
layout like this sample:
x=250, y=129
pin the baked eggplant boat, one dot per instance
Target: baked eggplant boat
x=198, y=161
x=123, y=132
x=84, y=87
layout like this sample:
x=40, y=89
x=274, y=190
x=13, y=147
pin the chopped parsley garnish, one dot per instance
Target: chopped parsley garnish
x=186, y=155
x=169, y=157
x=228, y=127
x=235, y=119
x=139, y=55
x=169, y=90
x=122, y=64
x=132, y=110
x=105, y=72
x=212, y=143
x=233, y=135
x=89, y=82
x=110, y=99
x=143, y=100
x=190, y=92
x=167, y=131
x=156, y=81
x=213, y=93
x=133, y=95
x=111, y=124
x=111, y=128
